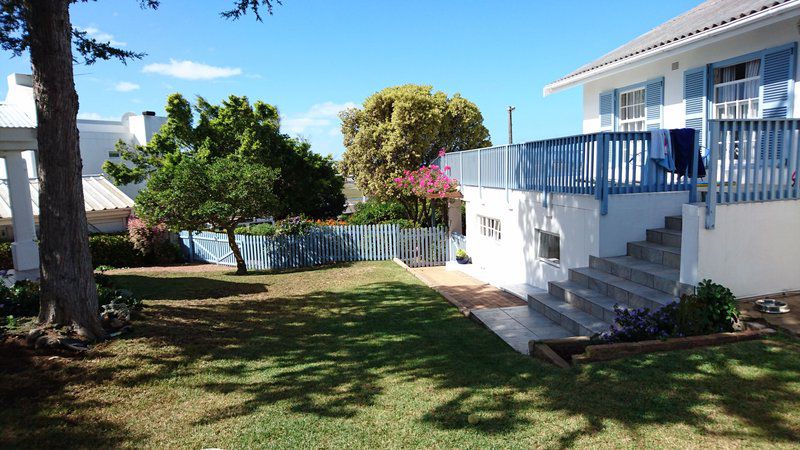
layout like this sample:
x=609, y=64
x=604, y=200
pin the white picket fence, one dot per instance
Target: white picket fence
x=417, y=247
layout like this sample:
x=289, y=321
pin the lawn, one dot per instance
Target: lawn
x=363, y=355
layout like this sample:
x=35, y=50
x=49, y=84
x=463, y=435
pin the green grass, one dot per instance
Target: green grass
x=365, y=356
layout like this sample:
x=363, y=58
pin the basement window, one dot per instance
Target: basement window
x=549, y=249
x=113, y=154
x=490, y=227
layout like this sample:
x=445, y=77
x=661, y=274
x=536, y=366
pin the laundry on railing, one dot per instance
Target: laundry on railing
x=673, y=150
x=683, y=150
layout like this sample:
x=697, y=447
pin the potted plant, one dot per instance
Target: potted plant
x=462, y=257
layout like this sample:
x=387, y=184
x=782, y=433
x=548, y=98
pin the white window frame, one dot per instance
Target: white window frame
x=753, y=103
x=635, y=123
x=540, y=247
x=490, y=227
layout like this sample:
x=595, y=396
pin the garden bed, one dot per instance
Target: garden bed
x=580, y=350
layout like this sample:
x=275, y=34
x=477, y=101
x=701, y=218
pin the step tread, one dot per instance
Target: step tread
x=666, y=248
x=656, y=269
x=581, y=317
x=593, y=296
x=654, y=295
x=666, y=231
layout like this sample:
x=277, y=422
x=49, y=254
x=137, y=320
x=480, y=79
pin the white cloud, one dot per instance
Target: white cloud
x=102, y=36
x=190, y=70
x=95, y=116
x=126, y=86
x=320, y=115
x=319, y=125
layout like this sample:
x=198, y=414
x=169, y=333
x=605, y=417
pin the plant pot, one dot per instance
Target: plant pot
x=462, y=260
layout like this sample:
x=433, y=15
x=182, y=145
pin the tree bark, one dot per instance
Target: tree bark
x=241, y=267
x=68, y=291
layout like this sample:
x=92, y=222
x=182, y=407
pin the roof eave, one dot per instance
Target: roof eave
x=711, y=35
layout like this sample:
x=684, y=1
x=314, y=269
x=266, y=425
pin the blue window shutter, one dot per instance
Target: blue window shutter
x=777, y=83
x=694, y=101
x=607, y=111
x=654, y=103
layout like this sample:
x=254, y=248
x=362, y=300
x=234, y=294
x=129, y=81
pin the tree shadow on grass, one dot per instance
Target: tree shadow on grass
x=331, y=351
x=187, y=287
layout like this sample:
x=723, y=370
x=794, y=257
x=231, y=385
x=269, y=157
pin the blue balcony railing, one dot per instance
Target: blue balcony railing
x=752, y=161
x=599, y=164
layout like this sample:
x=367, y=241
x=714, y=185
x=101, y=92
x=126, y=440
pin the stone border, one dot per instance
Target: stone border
x=606, y=352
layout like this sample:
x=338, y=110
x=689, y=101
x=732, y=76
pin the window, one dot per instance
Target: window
x=113, y=154
x=490, y=227
x=736, y=91
x=549, y=246
x=632, y=110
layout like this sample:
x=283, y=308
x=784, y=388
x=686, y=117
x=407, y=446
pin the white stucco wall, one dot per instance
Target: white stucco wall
x=774, y=35
x=754, y=248
x=576, y=219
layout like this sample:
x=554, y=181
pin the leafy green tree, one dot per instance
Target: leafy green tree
x=401, y=128
x=197, y=191
x=308, y=183
x=44, y=30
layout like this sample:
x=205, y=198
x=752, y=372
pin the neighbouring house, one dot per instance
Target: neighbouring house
x=588, y=221
x=98, y=138
x=107, y=207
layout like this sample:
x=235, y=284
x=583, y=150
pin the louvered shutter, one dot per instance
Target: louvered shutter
x=694, y=101
x=607, y=111
x=777, y=84
x=654, y=103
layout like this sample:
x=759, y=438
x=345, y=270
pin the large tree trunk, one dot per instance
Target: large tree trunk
x=241, y=267
x=68, y=292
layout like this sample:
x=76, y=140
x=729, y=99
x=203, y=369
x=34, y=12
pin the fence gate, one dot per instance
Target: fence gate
x=422, y=247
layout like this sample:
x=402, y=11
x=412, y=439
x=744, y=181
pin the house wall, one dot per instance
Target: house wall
x=576, y=219
x=753, y=250
x=111, y=221
x=780, y=33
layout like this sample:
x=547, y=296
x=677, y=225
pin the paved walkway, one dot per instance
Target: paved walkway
x=504, y=313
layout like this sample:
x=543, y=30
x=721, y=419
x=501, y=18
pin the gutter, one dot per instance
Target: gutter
x=716, y=34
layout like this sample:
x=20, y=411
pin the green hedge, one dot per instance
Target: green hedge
x=115, y=250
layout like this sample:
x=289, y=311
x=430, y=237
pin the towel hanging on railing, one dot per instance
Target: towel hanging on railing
x=661, y=149
x=683, y=148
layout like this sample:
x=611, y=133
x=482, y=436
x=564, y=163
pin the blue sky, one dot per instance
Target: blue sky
x=314, y=57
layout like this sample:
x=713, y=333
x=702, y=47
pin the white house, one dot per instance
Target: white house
x=107, y=206
x=97, y=137
x=580, y=223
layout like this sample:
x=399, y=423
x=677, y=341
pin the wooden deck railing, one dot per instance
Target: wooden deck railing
x=599, y=164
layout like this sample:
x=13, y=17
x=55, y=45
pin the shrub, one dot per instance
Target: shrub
x=22, y=299
x=461, y=253
x=711, y=310
x=6, y=261
x=115, y=250
x=294, y=226
x=259, y=229
x=374, y=212
x=152, y=242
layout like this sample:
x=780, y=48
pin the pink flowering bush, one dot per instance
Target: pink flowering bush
x=151, y=242
x=427, y=181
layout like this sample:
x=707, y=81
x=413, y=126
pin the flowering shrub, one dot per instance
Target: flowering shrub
x=294, y=226
x=712, y=310
x=151, y=242
x=329, y=222
x=633, y=325
x=427, y=181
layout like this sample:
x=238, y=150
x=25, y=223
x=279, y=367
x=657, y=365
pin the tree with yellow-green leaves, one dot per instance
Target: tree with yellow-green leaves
x=402, y=128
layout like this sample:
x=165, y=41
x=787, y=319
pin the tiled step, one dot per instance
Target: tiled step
x=624, y=291
x=567, y=316
x=585, y=299
x=656, y=276
x=664, y=236
x=674, y=222
x=656, y=253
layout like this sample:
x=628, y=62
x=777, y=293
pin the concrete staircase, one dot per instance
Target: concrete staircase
x=647, y=277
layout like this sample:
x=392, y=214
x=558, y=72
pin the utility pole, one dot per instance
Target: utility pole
x=510, y=125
